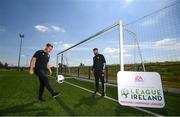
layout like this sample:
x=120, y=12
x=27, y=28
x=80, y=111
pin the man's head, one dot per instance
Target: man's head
x=95, y=50
x=49, y=47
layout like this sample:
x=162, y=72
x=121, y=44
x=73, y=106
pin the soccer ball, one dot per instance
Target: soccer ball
x=60, y=79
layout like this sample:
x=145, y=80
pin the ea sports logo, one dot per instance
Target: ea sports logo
x=138, y=78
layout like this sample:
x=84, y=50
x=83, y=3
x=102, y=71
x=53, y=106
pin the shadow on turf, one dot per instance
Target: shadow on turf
x=90, y=101
x=121, y=109
x=19, y=109
x=65, y=107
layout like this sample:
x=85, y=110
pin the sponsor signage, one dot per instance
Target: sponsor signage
x=143, y=89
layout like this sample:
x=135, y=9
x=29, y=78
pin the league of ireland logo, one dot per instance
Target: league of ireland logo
x=124, y=93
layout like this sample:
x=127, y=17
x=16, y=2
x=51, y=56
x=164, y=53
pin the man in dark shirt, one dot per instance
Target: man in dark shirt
x=39, y=65
x=99, y=65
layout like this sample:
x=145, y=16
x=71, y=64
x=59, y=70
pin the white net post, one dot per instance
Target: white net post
x=57, y=66
x=121, y=38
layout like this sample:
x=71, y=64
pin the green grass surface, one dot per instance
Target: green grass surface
x=172, y=100
x=19, y=90
x=18, y=96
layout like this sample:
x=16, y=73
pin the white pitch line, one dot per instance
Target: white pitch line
x=140, y=109
x=79, y=87
x=55, y=77
x=112, y=99
x=87, y=80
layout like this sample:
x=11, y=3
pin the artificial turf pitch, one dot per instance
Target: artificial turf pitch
x=19, y=90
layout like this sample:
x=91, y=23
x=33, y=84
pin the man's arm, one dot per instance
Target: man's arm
x=33, y=61
x=32, y=65
x=49, y=69
x=104, y=63
x=93, y=65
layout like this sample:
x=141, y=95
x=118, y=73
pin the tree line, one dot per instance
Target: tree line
x=5, y=65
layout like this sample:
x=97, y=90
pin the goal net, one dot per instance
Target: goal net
x=76, y=59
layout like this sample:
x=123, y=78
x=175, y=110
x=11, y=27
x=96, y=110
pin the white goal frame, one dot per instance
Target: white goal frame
x=121, y=29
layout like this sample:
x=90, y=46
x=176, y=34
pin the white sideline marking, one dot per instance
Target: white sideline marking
x=87, y=80
x=65, y=77
x=140, y=109
x=112, y=99
x=79, y=87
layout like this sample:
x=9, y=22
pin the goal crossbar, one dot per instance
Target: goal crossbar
x=91, y=37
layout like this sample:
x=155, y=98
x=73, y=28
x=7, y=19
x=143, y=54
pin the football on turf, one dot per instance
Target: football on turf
x=60, y=79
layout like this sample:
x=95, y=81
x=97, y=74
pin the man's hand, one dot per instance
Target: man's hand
x=50, y=72
x=32, y=63
x=103, y=71
x=92, y=71
x=31, y=71
x=49, y=69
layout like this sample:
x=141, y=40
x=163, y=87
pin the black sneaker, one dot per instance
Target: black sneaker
x=95, y=92
x=103, y=94
x=55, y=94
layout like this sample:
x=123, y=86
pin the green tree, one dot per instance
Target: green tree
x=6, y=65
x=1, y=65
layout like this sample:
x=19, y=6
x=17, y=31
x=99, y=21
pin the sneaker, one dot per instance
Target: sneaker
x=95, y=92
x=103, y=94
x=55, y=94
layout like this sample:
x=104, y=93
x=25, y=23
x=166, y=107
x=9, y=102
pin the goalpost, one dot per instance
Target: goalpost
x=77, y=61
x=119, y=25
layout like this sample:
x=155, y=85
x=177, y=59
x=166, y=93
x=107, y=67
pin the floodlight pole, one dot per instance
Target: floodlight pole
x=19, y=60
x=121, y=38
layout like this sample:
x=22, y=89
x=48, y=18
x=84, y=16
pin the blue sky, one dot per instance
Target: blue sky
x=66, y=22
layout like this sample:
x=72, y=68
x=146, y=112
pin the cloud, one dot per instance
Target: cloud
x=58, y=46
x=114, y=52
x=57, y=42
x=127, y=55
x=66, y=45
x=110, y=50
x=78, y=49
x=167, y=44
x=41, y=28
x=45, y=28
x=57, y=29
x=129, y=1
x=163, y=44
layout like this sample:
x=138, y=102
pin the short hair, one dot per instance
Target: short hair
x=49, y=45
x=95, y=49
